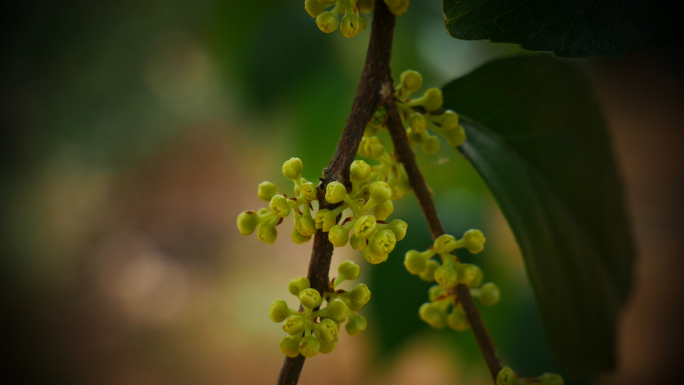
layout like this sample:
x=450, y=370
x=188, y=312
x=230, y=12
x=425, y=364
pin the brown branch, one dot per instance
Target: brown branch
x=405, y=155
x=367, y=96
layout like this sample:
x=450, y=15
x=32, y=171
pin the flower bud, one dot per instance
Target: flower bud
x=457, y=320
x=477, y=280
x=356, y=324
x=430, y=144
x=327, y=22
x=490, y=294
x=335, y=192
x=358, y=243
x=328, y=347
x=349, y=26
x=294, y=324
x=365, y=226
x=310, y=298
x=415, y=261
x=247, y=222
x=320, y=215
x=289, y=346
x=435, y=292
x=267, y=233
x=279, y=206
x=466, y=273
x=398, y=227
x=279, y=311
x=428, y=275
x=366, y=6
x=551, y=379
x=449, y=120
x=413, y=137
x=292, y=169
x=309, y=346
x=455, y=137
x=359, y=296
x=298, y=238
x=380, y=191
x=327, y=330
x=360, y=171
x=410, y=80
x=417, y=122
x=473, y=240
x=378, y=121
x=336, y=310
x=298, y=284
x=506, y=376
x=349, y=269
x=314, y=7
x=306, y=225
x=433, y=315
x=371, y=147
x=446, y=277
x=432, y=99
x=400, y=8
x=338, y=236
x=267, y=190
x=383, y=241
x=372, y=257
x=309, y=191
x=329, y=220
x=383, y=210
x=264, y=210
x=445, y=244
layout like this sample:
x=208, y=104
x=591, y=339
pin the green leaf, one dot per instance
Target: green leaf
x=567, y=28
x=537, y=137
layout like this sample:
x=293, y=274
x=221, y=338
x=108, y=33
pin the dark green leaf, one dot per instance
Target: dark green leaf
x=537, y=138
x=567, y=28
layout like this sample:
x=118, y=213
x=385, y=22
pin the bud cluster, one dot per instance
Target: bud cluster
x=352, y=22
x=313, y=330
x=507, y=376
x=449, y=273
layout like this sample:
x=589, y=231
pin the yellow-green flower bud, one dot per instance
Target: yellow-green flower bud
x=432, y=99
x=309, y=191
x=433, y=315
x=279, y=311
x=449, y=120
x=314, y=7
x=457, y=320
x=378, y=121
x=359, y=296
x=289, y=346
x=446, y=276
x=320, y=215
x=413, y=137
x=430, y=145
x=371, y=147
x=327, y=330
x=279, y=206
x=366, y=6
x=362, y=24
x=490, y=294
x=415, y=261
x=506, y=376
x=466, y=273
x=298, y=284
x=477, y=280
x=310, y=298
x=398, y=227
x=436, y=292
x=335, y=192
x=365, y=226
x=383, y=210
x=356, y=324
x=264, y=210
x=298, y=238
x=455, y=137
x=247, y=222
x=417, y=122
x=372, y=257
x=309, y=346
x=328, y=347
x=380, y=191
x=428, y=275
x=400, y=8
x=267, y=233
x=360, y=171
x=348, y=26
x=473, y=240
x=292, y=169
x=329, y=220
x=410, y=80
x=551, y=379
x=306, y=225
x=294, y=324
x=348, y=270
x=267, y=190
x=383, y=241
x=445, y=244
x=327, y=22
x=358, y=243
x=338, y=236
x=336, y=310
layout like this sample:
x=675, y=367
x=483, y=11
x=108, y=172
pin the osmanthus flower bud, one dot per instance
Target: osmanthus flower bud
x=336, y=310
x=417, y=122
x=289, y=345
x=473, y=240
x=309, y=191
x=309, y=346
x=279, y=311
x=360, y=171
x=327, y=330
x=415, y=261
x=267, y=190
x=294, y=324
x=320, y=215
x=292, y=169
x=310, y=298
x=359, y=296
x=297, y=285
x=400, y=8
x=267, y=233
x=372, y=257
x=457, y=320
x=435, y=292
x=358, y=243
x=328, y=347
x=327, y=22
x=380, y=191
x=338, y=236
x=398, y=227
x=335, y=192
x=466, y=273
x=550, y=379
x=365, y=226
x=349, y=26
x=314, y=7
x=329, y=220
x=383, y=242
x=279, y=206
x=430, y=144
x=298, y=238
x=446, y=277
x=455, y=137
x=365, y=6
x=411, y=81
x=445, y=244
x=348, y=270
x=247, y=221
x=428, y=275
x=433, y=315
x=506, y=376
x=490, y=294
x=371, y=147
x=449, y=120
x=356, y=324
x=477, y=280
x=383, y=210
x=306, y=225
x=432, y=99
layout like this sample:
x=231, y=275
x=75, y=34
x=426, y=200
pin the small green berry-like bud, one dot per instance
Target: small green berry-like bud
x=358, y=243
x=306, y=225
x=328, y=347
x=417, y=122
x=445, y=244
x=335, y=192
x=309, y=191
x=336, y=310
x=551, y=379
x=506, y=376
x=446, y=277
x=477, y=280
x=410, y=80
x=380, y=191
x=449, y=120
x=329, y=220
x=298, y=238
x=433, y=315
x=359, y=296
x=292, y=169
x=349, y=269
x=473, y=240
x=247, y=222
x=327, y=22
x=310, y=298
x=279, y=311
x=349, y=26
x=456, y=137
x=383, y=210
x=279, y=206
x=365, y=226
x=435, y=292
x=428, y=275
x=432, y=99
x=319, y=218
x=490, y=294
x=372, y=257
x=267, y=233
x=290, y=346
x=327, y=330
x=294, y=324
x=298, y=284
x=366, y=6
x=356, y=325
x=267, y=190
x=400, y=8
x=372, y=147
x=309, y=346
x=338, y=236
x=314, y=7
x=383, y=242
x=457, y=320
x=430, y=145
x=360, y=170
x=415, y=261
x=466, y=273
x=398, y=227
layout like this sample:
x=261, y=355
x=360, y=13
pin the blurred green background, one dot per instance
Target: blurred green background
x=134, y=132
